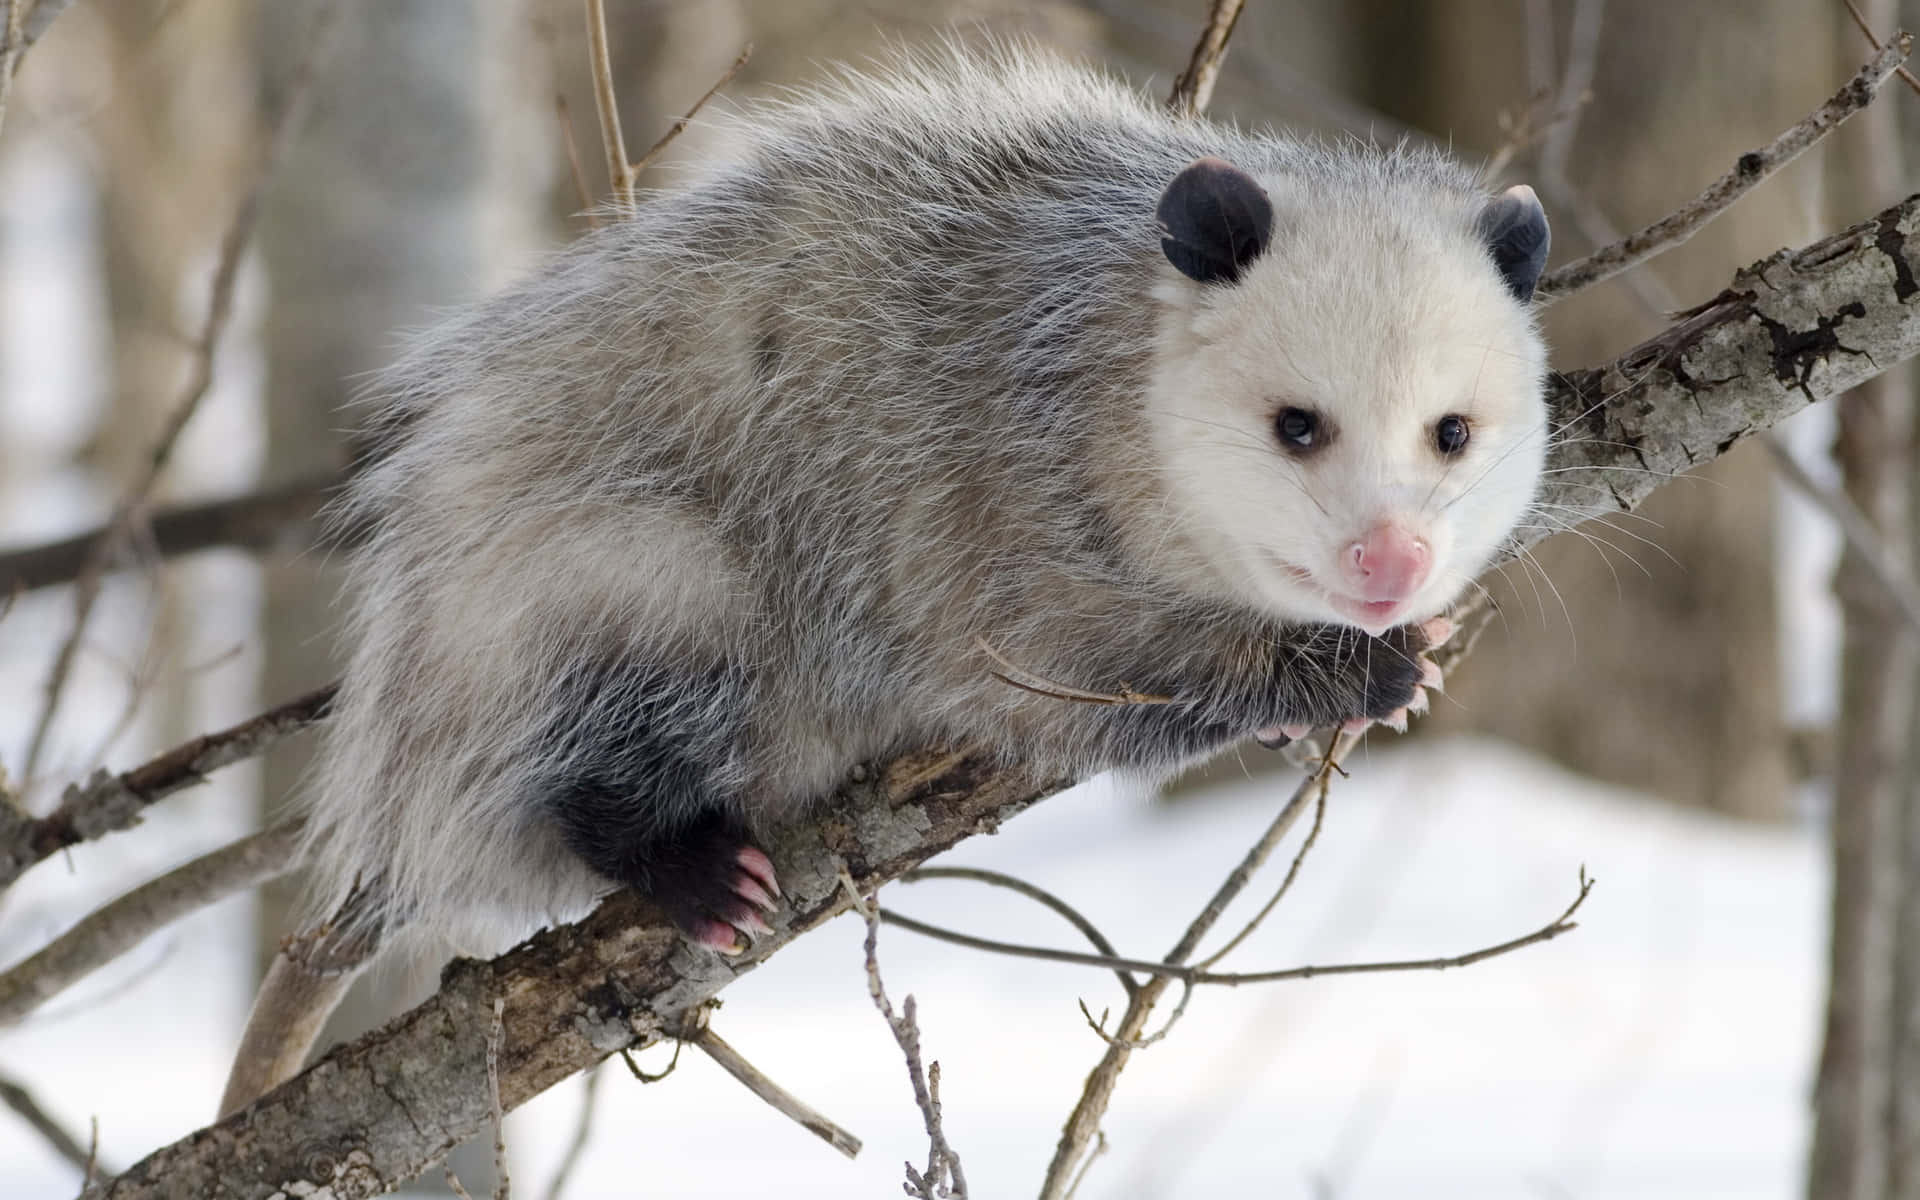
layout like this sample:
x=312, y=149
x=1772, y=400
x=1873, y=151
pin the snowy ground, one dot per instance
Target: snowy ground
x=1662, y=1050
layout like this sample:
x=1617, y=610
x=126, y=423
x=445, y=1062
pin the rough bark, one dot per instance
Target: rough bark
x=1797, y=327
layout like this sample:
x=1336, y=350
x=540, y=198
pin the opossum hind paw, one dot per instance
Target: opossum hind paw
x=714, y=885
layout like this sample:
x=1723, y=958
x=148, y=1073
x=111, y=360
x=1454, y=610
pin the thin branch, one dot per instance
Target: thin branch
x=582, y=1131
x=106, y=803
x=1193, y=90
x=1860, y=535
x=1748, y=171
x=574, y=166
x=121, y=925
x=1334, y=756
x=200, y=377
x=1097, y=1092
x=496, y=1037
x=16, y=1097
x=783, y=1101
x=943, y=1176
x=679, y=126
x=1201, y=977
x=10, y=57
x=1576, y=85
x=1031, y=892
x=1860, y=20
x=612, y=142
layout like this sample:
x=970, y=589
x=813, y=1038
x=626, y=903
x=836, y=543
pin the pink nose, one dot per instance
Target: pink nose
x=1388, y=564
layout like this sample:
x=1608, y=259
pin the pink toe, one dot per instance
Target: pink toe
x=1437, y=631
x=1296, y=732
x=758, y=865
x=1356, y=725
x=718, y=935
x=1430, y=676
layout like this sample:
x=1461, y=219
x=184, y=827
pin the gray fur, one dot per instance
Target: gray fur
x=815, y=423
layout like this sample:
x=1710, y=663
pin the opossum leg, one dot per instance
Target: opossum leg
x=643, y=795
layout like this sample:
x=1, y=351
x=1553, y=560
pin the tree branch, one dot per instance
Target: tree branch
x=1793, y=329
x=119, y=926
x=106, y=803
x=1194, y=88
x=250, y=522
x=1748, y=172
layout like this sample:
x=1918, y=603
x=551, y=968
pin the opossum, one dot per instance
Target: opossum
x=977, y=362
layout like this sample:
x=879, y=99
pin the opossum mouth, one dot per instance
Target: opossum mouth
x=1374, y=616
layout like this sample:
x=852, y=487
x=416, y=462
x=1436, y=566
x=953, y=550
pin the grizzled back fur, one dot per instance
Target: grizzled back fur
x=721, y=501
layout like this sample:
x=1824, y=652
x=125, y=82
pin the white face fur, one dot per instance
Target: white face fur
x=1366, y=386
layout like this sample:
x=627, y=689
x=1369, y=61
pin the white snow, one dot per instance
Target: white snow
x=1663, y=1049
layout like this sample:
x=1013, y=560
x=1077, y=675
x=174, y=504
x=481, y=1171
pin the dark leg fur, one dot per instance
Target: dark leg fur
x=641, y=794
x=1319, y=676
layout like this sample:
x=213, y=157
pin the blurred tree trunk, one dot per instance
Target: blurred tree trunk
x=1677, y=656
x=1867, y=1111
x=175, y=141
x=374, y=221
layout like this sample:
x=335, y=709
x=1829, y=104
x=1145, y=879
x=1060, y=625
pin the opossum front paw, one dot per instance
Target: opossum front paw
x=714, y=884
x=1415, y=644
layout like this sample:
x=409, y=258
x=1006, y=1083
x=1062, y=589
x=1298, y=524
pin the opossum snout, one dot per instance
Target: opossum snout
x=1388, y=563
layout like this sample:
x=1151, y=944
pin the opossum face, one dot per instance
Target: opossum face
x=1347, y=410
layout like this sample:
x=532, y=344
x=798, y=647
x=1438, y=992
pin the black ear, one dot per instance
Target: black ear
x=1214, y=220
x=1514, y=227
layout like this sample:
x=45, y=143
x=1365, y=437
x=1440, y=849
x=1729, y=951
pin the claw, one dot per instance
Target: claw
x=1431, y=677
x=748, y=888
x=758, y=865
x=1420, y=703
x=749, y=922
x=1396, y=720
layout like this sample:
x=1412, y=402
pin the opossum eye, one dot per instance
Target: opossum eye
x=1451, y=434
x=1298, y=428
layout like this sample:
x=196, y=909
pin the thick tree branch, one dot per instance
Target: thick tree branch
x=1795, y=328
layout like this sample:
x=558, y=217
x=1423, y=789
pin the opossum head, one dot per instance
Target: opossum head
x=1346, y=407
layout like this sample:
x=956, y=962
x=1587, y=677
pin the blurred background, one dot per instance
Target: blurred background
x=1660, y=700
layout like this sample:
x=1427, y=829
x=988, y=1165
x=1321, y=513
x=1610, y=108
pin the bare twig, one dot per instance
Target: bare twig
x=1576, y=85
x=582, y=1131
x=124, y=923
x=1293, y=868
x=1086, y=1164
x=17, y=1097
x=200, y=379
x=15, y=46
x=943, y=1176
x=455, y=1186
x=1891, y=576
x=1193, y=90
x=612, y=142
x=783, y=1101
x=574, y=166
x=1032, y=892
x=1751, y=168
x=110, y=802
x=1199, y=976
x=1014, y=675
x=496, y=1036
x=1088, y=1113
x=1861, y=20
x=679, y=126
